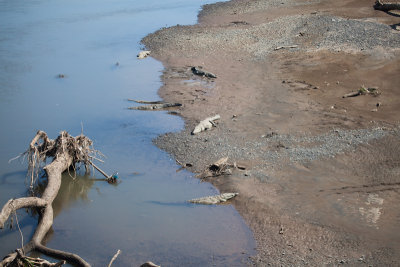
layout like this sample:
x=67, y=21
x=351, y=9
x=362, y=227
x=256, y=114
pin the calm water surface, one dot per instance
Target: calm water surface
x=145, y=215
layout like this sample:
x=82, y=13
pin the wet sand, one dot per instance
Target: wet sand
x=322, y=177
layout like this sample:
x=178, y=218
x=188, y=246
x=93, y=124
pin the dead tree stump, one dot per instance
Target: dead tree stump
x=66, y=151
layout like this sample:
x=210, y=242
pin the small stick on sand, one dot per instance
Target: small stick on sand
x=285, y=47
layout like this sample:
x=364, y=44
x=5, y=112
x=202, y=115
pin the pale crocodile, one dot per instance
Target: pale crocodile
x=212, y=200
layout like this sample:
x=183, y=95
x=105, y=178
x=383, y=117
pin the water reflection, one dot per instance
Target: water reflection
x=72, y=190
x=7, y=178
x=173, y=204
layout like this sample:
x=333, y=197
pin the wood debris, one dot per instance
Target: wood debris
x=23, y=260
x=285, y=47
x=66, y=153
x=114, y=258
x=238, y=166
x=220, y=167
x=363, y=91
x=212, y=200
x=143, y=54
x=149, y=264
x=200, y=72
x=205, y=124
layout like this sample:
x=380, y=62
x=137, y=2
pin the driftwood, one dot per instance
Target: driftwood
x=109, y=178
x=363, y=91
x=206, y=124
x=66, y=151
x=212, y=200
x=220, y=167
x=285, y=47
x=23, y=260
x=143, y=54
x=379, y=5
x=114, y=258
x=149, y=264
x=200, y=72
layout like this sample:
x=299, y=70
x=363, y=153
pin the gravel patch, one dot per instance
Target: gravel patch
x=272, y=152
x=330, y=144
x=336, y=33
x=238, y=7
x=309, y=32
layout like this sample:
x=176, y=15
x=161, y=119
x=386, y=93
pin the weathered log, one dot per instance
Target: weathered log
x=66, y=151
x=203, y=73
x=212, y=200
x=379, y=5
x=205, y=124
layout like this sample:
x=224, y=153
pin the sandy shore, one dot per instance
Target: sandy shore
x=322, y=178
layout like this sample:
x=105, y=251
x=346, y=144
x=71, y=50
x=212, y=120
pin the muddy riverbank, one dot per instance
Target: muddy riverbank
x=322, y=172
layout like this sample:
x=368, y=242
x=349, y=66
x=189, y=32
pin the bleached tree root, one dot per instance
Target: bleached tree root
x=66, y=151
x=114, y=258
x=23, y=260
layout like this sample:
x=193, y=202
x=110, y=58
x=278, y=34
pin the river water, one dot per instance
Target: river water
x=145, y=216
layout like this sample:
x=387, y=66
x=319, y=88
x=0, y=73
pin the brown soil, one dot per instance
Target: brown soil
x=339, y=206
